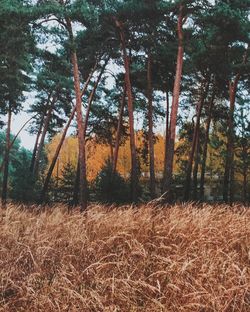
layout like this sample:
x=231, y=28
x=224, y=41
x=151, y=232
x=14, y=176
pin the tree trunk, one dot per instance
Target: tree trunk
x=53, y=162
x=245, y=172
x=91, y=97
x=75, y=200
x=174, y=109
x=231, y=189
x=228, y=183
x=118, y=131
x=196, y=164
x=36, y=145
x=90, y=100
x=111, y=152
x=131, y=113
x=150, y=128
x=6, y=161
x=194, y=142
x=205, y=146
x=166, y=136
x=43, y=135
x=55, y=157
x=80, y=126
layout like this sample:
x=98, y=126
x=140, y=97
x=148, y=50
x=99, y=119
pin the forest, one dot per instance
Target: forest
x=124, y=155
x=128, y=101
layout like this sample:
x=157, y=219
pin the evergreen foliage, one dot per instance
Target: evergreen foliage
x=110, y=187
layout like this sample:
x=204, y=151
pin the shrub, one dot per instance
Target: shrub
x=110, y=187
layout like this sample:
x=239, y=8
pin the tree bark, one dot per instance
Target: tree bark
x=245, y=172
x=150, y=128
x=175, y=105
x=196, y=164
x=91, y=97
x=80, y=126
x=194, y=146
x=6, y=161
x=131, y=113
x=43, y=135
x=228, y=174
x=36, y=145
x=75, y=200
x=111, y=152
x=228, y=185
x=118, y=131
x=205, y=146
x=55, y=157
x=166, y=136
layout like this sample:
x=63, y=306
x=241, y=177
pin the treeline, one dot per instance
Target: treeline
x=109, y=65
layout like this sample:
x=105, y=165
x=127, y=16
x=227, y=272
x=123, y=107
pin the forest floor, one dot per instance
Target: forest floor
x=181, y=258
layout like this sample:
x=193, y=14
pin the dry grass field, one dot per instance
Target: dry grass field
x=183, y=258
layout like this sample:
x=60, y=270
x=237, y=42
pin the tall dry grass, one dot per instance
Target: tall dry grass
x=182, y=258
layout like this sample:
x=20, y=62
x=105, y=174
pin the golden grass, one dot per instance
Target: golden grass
x=182, y=258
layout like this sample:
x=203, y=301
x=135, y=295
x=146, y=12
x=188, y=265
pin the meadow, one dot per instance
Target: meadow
x=150, y=258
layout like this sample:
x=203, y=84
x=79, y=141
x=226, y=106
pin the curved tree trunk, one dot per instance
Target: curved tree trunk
x=57, y=152
x=92, y=95
x=175, y=105
x=6, y=161
x=131, y=113
x=36, y=145
x=43, y=135
x=150, y=128
x=205, y=146
x=55, y=157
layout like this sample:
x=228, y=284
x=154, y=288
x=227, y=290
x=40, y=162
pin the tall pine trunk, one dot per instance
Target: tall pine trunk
x=6, y=161
x=187, y=190
x=130, y=112
x=205, y=146
x=228, y=174
x=79, y=118
x=150, y=128
x=228, y=185
x=175, y=105
x=118, y=131
x=166, y=136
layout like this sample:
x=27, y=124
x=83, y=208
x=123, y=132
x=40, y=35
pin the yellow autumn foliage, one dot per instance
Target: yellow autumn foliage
x=97, y=154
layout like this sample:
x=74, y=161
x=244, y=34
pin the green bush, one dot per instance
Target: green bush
x=110, y=187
